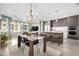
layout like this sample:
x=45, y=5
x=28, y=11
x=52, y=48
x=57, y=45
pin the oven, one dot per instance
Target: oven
x=72, y=33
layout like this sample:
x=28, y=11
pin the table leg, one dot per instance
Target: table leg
x=31, y=48
x=19, y=41
x=44, y=45
x=19, y=44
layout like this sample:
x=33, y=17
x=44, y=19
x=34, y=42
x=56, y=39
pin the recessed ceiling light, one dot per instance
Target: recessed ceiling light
x=56, y=10
x=56, y=20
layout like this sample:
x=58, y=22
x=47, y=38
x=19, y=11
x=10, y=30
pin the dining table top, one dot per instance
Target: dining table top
x=33, y=37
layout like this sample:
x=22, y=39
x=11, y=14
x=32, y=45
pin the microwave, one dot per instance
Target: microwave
x=72, y=28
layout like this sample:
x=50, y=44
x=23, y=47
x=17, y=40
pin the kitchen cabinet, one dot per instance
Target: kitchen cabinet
x=60, y=23
x=73, y=21
x=65, y=22
x=69, y=21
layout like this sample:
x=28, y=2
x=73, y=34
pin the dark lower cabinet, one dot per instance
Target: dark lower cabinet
x=53, y=37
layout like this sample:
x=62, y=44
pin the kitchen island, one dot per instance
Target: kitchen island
x=54, y=36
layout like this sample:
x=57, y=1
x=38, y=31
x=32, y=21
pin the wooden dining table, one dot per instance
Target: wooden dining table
x=31, y=42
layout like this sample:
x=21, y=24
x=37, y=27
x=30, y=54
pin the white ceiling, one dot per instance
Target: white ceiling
x=42, y=11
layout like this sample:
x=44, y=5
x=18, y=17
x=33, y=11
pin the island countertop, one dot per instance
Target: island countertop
x=56, y=31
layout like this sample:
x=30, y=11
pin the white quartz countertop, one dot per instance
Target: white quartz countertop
x=32, y=38
x=57, y=31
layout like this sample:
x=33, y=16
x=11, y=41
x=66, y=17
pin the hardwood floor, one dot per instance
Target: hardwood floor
x=68, y=48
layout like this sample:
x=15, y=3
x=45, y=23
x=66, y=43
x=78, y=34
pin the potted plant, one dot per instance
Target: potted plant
x=4, y=39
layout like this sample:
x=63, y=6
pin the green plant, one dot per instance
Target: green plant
x=4, y=38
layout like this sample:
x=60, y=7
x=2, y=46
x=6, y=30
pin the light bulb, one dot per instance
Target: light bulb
x=56, y=20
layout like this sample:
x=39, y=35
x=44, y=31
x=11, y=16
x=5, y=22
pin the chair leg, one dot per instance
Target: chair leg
x=23, y=47
x=38, y=50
